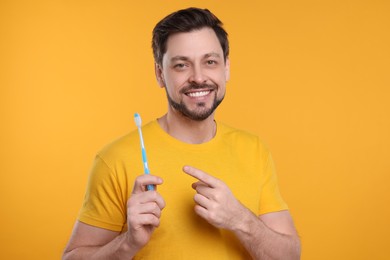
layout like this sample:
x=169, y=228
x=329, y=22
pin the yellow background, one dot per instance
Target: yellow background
x=310, y=77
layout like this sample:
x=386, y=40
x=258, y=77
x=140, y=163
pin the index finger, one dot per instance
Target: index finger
x=201, y=175
x=143, y=180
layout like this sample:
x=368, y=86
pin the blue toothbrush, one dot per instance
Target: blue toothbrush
x=138, y=122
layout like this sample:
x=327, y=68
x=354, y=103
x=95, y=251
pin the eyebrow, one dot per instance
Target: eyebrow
x=185, y=58
x=212, y=54
x=177, y=58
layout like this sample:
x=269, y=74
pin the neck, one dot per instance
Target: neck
x=188, y=130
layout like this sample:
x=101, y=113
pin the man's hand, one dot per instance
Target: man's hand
x=143, y=211
x=214, y=200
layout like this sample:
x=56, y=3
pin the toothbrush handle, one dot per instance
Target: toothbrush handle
x=146, y=169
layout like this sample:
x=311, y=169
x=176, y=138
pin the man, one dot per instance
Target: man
x=233, y=211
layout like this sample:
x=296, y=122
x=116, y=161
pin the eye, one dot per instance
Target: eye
x=211, y=62
x=179, y=66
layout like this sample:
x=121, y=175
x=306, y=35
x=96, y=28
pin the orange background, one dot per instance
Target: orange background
x=310, y=77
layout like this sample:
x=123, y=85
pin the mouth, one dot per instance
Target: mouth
x=198, y=93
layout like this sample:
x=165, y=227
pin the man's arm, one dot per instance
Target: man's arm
x=269, y=236
x=143, y=216
x=88, y=242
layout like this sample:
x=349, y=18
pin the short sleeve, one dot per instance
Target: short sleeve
x=103, y=205
x=270, y=200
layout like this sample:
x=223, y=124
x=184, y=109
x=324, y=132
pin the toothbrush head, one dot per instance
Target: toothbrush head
x=137, y=119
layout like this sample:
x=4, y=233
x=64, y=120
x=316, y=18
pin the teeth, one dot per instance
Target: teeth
x=198, y=94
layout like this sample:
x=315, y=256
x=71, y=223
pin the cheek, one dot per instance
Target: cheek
x=221, y=92
x=222, y=87
x=175, y=82
x=223, y=80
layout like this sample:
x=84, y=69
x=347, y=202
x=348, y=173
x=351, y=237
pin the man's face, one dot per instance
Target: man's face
x=194, y=73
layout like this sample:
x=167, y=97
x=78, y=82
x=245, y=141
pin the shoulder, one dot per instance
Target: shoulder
x=244, y=143
x=125, y=146
x=241, y=137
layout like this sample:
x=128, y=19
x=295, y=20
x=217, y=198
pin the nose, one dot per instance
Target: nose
x=197, y=75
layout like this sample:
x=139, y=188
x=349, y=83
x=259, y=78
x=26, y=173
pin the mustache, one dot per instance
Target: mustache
x=194, y=86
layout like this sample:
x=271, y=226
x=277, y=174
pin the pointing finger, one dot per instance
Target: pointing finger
x=202, y=176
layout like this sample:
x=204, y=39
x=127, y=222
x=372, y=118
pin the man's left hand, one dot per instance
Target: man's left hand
x=215, y=202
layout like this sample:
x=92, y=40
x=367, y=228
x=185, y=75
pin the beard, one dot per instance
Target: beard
x=201, y=112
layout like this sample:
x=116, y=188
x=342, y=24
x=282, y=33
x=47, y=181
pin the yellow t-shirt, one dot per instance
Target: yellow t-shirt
x=234, y=156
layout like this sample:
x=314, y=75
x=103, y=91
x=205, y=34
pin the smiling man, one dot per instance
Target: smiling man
x=197, y=71
x=216, y=193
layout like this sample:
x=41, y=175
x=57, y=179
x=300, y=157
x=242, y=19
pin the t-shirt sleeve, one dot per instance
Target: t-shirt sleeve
x=104, y=205
x=271, y=200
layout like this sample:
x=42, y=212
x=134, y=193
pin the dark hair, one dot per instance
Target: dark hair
x=186, y=20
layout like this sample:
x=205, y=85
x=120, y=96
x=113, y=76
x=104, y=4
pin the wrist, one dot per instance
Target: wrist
x=126, y=249
x=245, y=222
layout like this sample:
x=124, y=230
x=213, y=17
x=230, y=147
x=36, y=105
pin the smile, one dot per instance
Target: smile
x=198, y=93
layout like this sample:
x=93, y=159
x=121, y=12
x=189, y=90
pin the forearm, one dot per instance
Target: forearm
x=118, y=249
x=264, y=243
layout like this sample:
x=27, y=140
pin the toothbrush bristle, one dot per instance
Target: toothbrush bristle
x=137, y=119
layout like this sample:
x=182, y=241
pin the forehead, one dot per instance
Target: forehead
x=193, y=44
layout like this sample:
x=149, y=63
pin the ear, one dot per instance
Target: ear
x=227, y=69
x=159, y=75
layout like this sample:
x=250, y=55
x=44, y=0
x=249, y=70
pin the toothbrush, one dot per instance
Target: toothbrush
x=138, y=122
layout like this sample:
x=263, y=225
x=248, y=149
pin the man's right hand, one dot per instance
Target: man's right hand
x=143, y=211
x=143, y=216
